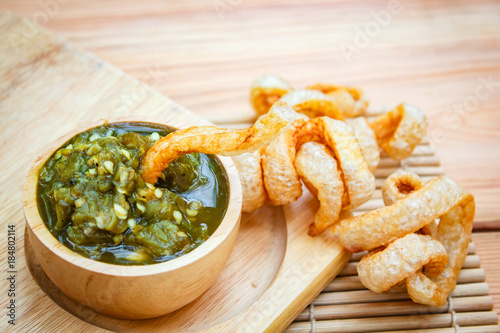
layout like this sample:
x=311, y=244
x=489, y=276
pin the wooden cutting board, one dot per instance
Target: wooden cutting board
x=47, y=88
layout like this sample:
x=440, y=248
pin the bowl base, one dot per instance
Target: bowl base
x=252, y=267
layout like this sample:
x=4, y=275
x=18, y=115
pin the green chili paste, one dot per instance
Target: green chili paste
x=94, y=201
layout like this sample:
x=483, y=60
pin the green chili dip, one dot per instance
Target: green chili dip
x=94, y=201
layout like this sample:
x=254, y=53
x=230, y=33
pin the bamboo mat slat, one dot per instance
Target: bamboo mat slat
x=472, y=261
x=435, y=70
x=470, y=329
x=345, y=302
x=345, y=305
x=391, y=323
x=353, y=282
x=345, y=311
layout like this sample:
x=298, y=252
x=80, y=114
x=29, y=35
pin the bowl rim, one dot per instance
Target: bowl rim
x=37, y=226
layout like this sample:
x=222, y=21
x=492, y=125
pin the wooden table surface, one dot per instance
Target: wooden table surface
x=441, y=55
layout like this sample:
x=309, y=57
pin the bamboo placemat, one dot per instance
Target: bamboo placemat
x=345, y=305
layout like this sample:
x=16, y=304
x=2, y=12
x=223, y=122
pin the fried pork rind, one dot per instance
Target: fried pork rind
x=433, y=284
x=359, y=182
x=280, y=178
x=398, y=185
x=313, y=103
x=318, y=100
x=214, y=140
x=265, y=91
x=430, y=229
x=250, y=173
x=454, y=232
x=382, y=226
x=318, y=170
x=400, y=130
x=367, y=140
x=381, y=269
x=350, y=100
x=352, y=181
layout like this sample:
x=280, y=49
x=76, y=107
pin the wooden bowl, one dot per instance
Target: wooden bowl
x=132, y=292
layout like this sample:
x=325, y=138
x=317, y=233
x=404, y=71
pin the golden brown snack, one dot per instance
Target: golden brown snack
x=430, y=229
x=280, y=178
x=432, y=285
x=267, y=90
x=359, y=182
x=354, y=179
x=379, y=270
x=400, y=130
x=398, y=185
x=367, y=140
x=350, y=100
x=313, y=103
x=382, y=226
x=214, y=140
x=454, y=232
x=252, y=186
x=318, y=170
x=399, y=287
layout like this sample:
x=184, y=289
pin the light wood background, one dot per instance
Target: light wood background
x=204, y=54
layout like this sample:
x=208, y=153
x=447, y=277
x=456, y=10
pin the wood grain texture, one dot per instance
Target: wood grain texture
x=432, y=53
x=262, y=238
x=204, y=56
x=54, y=88
x=347, y=305
x=487, y=249
x=127, y=292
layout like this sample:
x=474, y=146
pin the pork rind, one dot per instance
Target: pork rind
x=359, y=182
x=432, y=283
x=331, y=165
x=367, y=140
x=400, y=130
x=313, y=103
x=250, y=174
x=454, y=232
x=267, y=90
x=382, y=226
x=280, y=178
x=350, y=100
x=430, y=229
x=398, y=185
x=317, y=100
x=318, y=170
x=382, y=269
x=343, y=173
x=214, y=140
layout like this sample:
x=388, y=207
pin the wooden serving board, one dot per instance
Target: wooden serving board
x=47, y=88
